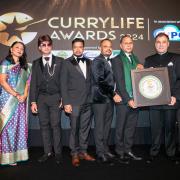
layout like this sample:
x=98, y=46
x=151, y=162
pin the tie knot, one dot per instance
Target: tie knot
x=80, y=59
x=46, y=58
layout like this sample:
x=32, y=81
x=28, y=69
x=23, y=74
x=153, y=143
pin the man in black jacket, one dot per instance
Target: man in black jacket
x=103, y=96
x=45, y=97
x=76, y=91
x=126, y=111
x=164, y=114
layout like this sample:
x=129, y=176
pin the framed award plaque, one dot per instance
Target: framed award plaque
x=151, y=86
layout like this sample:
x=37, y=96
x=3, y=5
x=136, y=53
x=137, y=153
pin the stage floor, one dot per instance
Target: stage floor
x=159, y=169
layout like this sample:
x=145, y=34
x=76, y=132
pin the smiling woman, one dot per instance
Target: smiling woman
x=14, y=75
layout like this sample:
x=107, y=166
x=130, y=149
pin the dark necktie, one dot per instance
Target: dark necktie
x=46, y=67
x=80, y=59
x=130, y=59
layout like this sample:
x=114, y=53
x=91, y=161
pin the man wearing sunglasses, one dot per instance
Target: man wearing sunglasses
x=45, y=97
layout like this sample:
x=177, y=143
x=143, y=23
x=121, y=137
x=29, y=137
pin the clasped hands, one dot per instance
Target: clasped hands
x=21, y=98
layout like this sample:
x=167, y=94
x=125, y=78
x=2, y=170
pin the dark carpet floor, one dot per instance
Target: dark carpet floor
x=160, y=169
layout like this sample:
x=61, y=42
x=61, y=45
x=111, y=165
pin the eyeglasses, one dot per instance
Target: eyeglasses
x=46, y=45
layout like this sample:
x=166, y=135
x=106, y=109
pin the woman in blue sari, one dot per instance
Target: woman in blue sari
x=14, y=82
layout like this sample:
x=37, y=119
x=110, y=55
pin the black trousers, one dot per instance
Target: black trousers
x=80, y=122
x=103, y=116
x=49, y=115
x=126, y=121
x=178, y=121
x=163, y=118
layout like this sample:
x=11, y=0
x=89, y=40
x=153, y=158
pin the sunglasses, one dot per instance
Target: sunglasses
x=46, y=45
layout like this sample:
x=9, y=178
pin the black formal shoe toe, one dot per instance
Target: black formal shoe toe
x=177, y=162
x=58, y=159
x=45, y=157
x=121, y=159
x=150, y=159
x=173, y=159
x=132, y=156
x=102, y=159
x=110, y=155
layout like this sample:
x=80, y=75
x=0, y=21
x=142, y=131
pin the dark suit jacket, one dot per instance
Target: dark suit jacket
x=172, y=62
x=75, y=88
x=37, y=76
x=118, y=71
x=102, y=80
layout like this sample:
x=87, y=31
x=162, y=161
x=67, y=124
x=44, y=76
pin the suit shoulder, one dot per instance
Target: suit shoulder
x=87, y=59
x=99, y=59
x=175, y=55
x=151, y=57
x=68, y=59
x=117, y=57
x=59, y=58
x=36, y=61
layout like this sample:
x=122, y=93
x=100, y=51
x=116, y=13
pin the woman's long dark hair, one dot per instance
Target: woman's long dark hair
x=22, y=59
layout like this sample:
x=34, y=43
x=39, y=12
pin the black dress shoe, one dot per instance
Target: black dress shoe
x=151, y=159
x=132, y=156
x=102, y=158
x=110, y=155
x=121, y=159
x=58, y=159
x=45, y=157
x=173, y=159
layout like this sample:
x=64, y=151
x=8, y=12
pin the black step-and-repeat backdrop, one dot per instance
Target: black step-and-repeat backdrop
x=92, y=20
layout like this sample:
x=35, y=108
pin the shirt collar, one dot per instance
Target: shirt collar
x=50, y=59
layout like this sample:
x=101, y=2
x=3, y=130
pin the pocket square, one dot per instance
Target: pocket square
x=170, y=64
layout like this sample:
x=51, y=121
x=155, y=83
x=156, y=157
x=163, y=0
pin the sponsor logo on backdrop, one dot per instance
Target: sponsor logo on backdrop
x=91, y=54
x=14, y=27
x=171, y=30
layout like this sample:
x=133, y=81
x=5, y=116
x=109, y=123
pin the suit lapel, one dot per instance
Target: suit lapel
x=87, y=68
x=76, y=65
x=53, y=61
x=41, y=64
x=106, y=62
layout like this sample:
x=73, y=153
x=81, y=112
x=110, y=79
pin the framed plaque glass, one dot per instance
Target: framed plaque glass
x=151, y=86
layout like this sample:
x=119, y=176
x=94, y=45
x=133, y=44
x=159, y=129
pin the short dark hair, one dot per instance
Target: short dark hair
x=124, y=36
x=78, y=40
x=43, y=38
x=106, y=39
x=161, y=35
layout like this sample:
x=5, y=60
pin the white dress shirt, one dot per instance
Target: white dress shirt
x=82, y=65
x=50, y=60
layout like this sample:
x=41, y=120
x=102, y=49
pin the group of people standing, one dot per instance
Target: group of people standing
x=83, y=89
